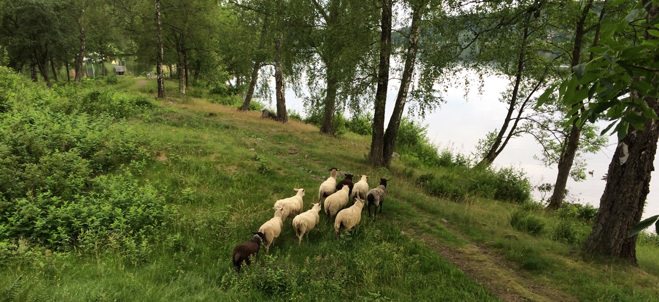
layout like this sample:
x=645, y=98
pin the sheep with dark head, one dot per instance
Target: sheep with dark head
x=243, y=251
x=347, y=181
x=376, y=196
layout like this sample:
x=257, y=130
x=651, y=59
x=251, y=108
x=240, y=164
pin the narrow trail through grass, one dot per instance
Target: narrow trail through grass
x=485, y=266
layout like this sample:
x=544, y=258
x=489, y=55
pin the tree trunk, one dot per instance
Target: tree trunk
x=159, y=60
x=330, y=102
x=572, y=145
x=33, y=71
x=185, y=65
x=282, y=116
x=81, y=54
x=103, y=71
x=255, y=69
x=394, y=123
x=180, y=72
x=627, y=186
x=42, y=61
x=495, y=150
x=377, y=140
x=44, y=72
x=252, y=86
x=52, y=67
x=68, y=72
x=628, y=183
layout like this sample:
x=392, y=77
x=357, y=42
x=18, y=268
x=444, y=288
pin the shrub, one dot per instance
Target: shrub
x=339, y=124
x=55, y=147
x=585, y=213
x=113, y=208
x=255, y=106
x=220, y=89
x=441, y=187
x=412, y=140
x=512, y=185
x=294, y=115
x=316, y=118
x=224, y=100
x=195, y=92
x=505, y=184
x=651, y=239
x=362, y=124
x=111, y=79
x=532, y=206
x=566, y=231
x=525, y=222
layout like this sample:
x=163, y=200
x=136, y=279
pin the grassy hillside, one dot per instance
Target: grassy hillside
x=206, y=176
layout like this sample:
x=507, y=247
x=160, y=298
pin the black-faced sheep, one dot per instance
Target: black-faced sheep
x=328, y=186
x=349, y=217
x=376, y=196
x=306, y=221
x=335, y=202
x=291, y=205
x=360, y=189
x=347, y=181
x=272, y=229
x=245, y=250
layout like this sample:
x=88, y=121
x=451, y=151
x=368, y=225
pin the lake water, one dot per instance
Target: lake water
x=460, y=122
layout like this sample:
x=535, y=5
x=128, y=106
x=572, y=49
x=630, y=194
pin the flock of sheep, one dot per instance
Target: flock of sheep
x=337, y=196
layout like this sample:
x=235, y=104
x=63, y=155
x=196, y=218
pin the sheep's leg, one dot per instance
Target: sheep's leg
x=381, y=202
x=375, y=213
x=369, y=209
x=247, y=261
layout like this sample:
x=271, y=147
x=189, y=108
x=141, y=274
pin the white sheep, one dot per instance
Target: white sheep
x=376, y=197
x=272, y=229
x=306, y=221
x=349, y=217
x=328, y=186
x=360, y=189
x=290, y=205
x=335, y=202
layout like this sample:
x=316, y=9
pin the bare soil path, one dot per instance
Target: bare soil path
x=485, y=266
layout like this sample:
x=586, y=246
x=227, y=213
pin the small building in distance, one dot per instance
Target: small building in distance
x=120, y=70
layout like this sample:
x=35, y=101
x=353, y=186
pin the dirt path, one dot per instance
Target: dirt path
x=140, y=83
x=490, y=269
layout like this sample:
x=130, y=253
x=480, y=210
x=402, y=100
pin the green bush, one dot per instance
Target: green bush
x=99, y=102
x=585, y=213
x=294, y=115
x=195, y=92
x=111, y=79
x=362, y=125
x=315, y=118
x=567, y=231
x=442, y=187
x=651, y=239
x=55, y=148
x=224, y=100
x=523, y=221
x=255, y=106
x=339, y=124
x=112, y=208
x=505, y=184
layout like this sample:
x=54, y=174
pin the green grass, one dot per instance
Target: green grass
x=222, y=172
